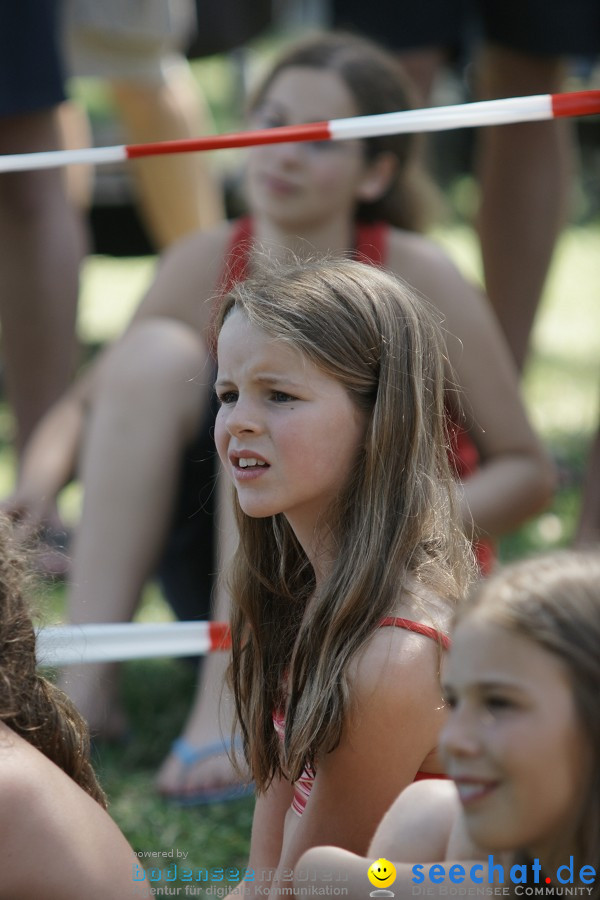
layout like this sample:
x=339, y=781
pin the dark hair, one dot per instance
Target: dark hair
x=31, y=705
x=377, y=84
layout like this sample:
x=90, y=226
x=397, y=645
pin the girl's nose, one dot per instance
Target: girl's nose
x=290, y=154
x=244, y=418
x=459, y=735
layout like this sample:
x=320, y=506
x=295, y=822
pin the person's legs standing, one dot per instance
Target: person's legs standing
x=41, y=237
x=524, y=173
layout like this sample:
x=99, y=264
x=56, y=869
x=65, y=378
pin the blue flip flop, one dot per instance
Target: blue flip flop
x=188, y=756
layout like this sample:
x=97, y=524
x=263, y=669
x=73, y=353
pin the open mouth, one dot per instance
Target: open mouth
x=471, y=791
x=250, y=463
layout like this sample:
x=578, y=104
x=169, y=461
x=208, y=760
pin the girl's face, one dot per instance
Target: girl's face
x=305, y=185
x=287, y=433
x=512, y=743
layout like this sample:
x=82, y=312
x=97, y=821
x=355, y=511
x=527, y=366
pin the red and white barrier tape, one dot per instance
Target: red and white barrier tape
x=66, y=645
x=441, y=118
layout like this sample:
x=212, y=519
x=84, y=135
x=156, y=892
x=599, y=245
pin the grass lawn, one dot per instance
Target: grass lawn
x=561, y=387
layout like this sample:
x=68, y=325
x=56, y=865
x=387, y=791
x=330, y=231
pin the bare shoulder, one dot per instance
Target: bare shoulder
x=420, y=261
x=397, y=671
x=419, y=824
x=22, y=770
x=399, y=651
x=188, y=276
x=55, y=836
x=391, y=653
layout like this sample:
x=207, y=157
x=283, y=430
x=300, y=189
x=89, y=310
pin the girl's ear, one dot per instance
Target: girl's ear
x=377, y=178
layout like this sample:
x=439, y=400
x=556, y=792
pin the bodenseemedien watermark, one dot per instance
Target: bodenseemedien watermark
x=178, y=879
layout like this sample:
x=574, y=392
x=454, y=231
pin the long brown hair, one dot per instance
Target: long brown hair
x=377, y=84
x=395, y=521
x=29, y=704
x=554, y=602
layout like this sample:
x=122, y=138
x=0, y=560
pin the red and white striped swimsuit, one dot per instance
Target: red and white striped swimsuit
x=303, y=786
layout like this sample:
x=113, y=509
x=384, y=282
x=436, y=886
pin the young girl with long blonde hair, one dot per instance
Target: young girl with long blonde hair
x=351, y=553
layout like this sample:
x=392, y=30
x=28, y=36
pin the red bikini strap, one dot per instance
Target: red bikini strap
x=418, y=627
x=371, y=243
x=237, y=258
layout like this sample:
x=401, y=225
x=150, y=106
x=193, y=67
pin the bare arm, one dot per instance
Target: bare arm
x=516, y=477
x=392, y=732
x=267, y=835
x=50, y=457
x=423, y=827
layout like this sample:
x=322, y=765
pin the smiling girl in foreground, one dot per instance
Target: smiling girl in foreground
x=522, y=741
x=331, y=426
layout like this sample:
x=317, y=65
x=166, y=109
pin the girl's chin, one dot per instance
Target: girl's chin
x=254, y=511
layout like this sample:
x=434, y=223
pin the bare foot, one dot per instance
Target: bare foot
x=199, y=769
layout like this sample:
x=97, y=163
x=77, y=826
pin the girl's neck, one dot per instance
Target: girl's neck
x=333, y=237
x=318, y=543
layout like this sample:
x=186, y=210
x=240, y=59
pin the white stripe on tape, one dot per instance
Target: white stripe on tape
x=64, y=645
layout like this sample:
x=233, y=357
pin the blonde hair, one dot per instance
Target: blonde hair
x=396, y=517
x=554, y=601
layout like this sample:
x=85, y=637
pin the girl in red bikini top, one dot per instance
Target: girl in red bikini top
x=331, y=385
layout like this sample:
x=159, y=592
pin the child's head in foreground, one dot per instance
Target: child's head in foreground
x=523, y=685
x=331, y=378
x=29, y=704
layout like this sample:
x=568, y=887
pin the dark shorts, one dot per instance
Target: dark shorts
x=31, y=72
x=537, y=27
x=186, y=571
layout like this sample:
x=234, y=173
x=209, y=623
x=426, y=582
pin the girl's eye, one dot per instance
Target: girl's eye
x=449, y=700
x=323, y=147
x=267, y=120
x=497, y=703
x=282, y=397
x=227, y=397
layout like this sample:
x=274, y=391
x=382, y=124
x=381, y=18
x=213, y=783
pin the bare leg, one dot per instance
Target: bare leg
x=211, y=716
x=76, y=134
x=179, y=193
x=524, y=175
x=147, y=411
x=41, y=246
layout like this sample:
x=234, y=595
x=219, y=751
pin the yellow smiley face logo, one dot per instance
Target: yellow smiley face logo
x=381, y=873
